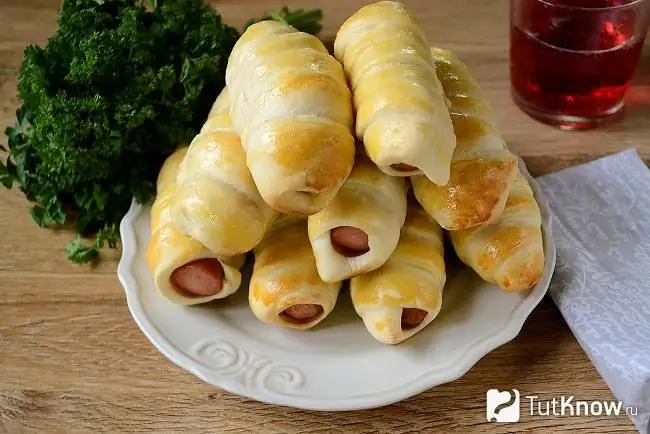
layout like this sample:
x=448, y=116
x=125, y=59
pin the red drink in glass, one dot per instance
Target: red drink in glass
x=571, y=61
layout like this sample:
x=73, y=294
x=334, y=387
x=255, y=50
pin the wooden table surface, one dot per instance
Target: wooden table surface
x=72, y=359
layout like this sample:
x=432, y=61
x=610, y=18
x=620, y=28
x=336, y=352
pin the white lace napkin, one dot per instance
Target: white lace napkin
x=601, y=227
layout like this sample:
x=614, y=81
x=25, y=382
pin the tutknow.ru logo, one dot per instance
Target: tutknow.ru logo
x=505, y=406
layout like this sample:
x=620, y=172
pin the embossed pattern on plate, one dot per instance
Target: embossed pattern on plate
x=337, y=365
x=247, y=368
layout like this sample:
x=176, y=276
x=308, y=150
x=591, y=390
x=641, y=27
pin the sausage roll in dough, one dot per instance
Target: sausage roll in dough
x=404, y=295
x=401, y=112
x=285, y=288
x=184, y=271
x=293, y=109
x=217, y=202
x=482, y=168
x=359, y=229
x=509, y=252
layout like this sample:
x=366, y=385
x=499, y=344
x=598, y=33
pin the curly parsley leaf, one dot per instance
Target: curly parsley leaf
x=80, y=253
x=5, y=178
x=305, y=20
x=113, y=92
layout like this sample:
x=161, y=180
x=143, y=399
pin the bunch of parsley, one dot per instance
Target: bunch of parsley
x=117, y=88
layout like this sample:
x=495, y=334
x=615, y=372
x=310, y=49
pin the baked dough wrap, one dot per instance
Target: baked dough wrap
x=370, y=201
x=169, y=249
x=413, y=278
x=285, y=275
x=482, y=167
x=293, y=109
x=510, y=252
x=217, y=202
x=401, y=112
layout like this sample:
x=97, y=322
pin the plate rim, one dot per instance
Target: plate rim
x=428, y=380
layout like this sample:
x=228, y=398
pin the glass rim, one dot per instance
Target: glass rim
x=599, y=9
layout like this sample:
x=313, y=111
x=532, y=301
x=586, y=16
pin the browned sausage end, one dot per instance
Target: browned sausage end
x=349, y=241
x=302, y=313
x=402, y=167
x=200, y=278
x=412, y=317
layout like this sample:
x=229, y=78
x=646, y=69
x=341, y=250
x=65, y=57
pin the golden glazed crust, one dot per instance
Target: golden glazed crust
x=413, y=277
x=402, y=116
x=509, y=252
x=217, y=202
x=482, y=168
x=169, y=248
x=370, y=201
x=293, y=109
x=285, y=274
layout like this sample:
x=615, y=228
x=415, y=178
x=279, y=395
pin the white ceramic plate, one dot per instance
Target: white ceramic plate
x=337, y=365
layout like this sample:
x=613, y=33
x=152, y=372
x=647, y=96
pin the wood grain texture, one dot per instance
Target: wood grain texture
x=73, y=360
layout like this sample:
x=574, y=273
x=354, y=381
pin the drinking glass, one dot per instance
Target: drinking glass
x=571, y=61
